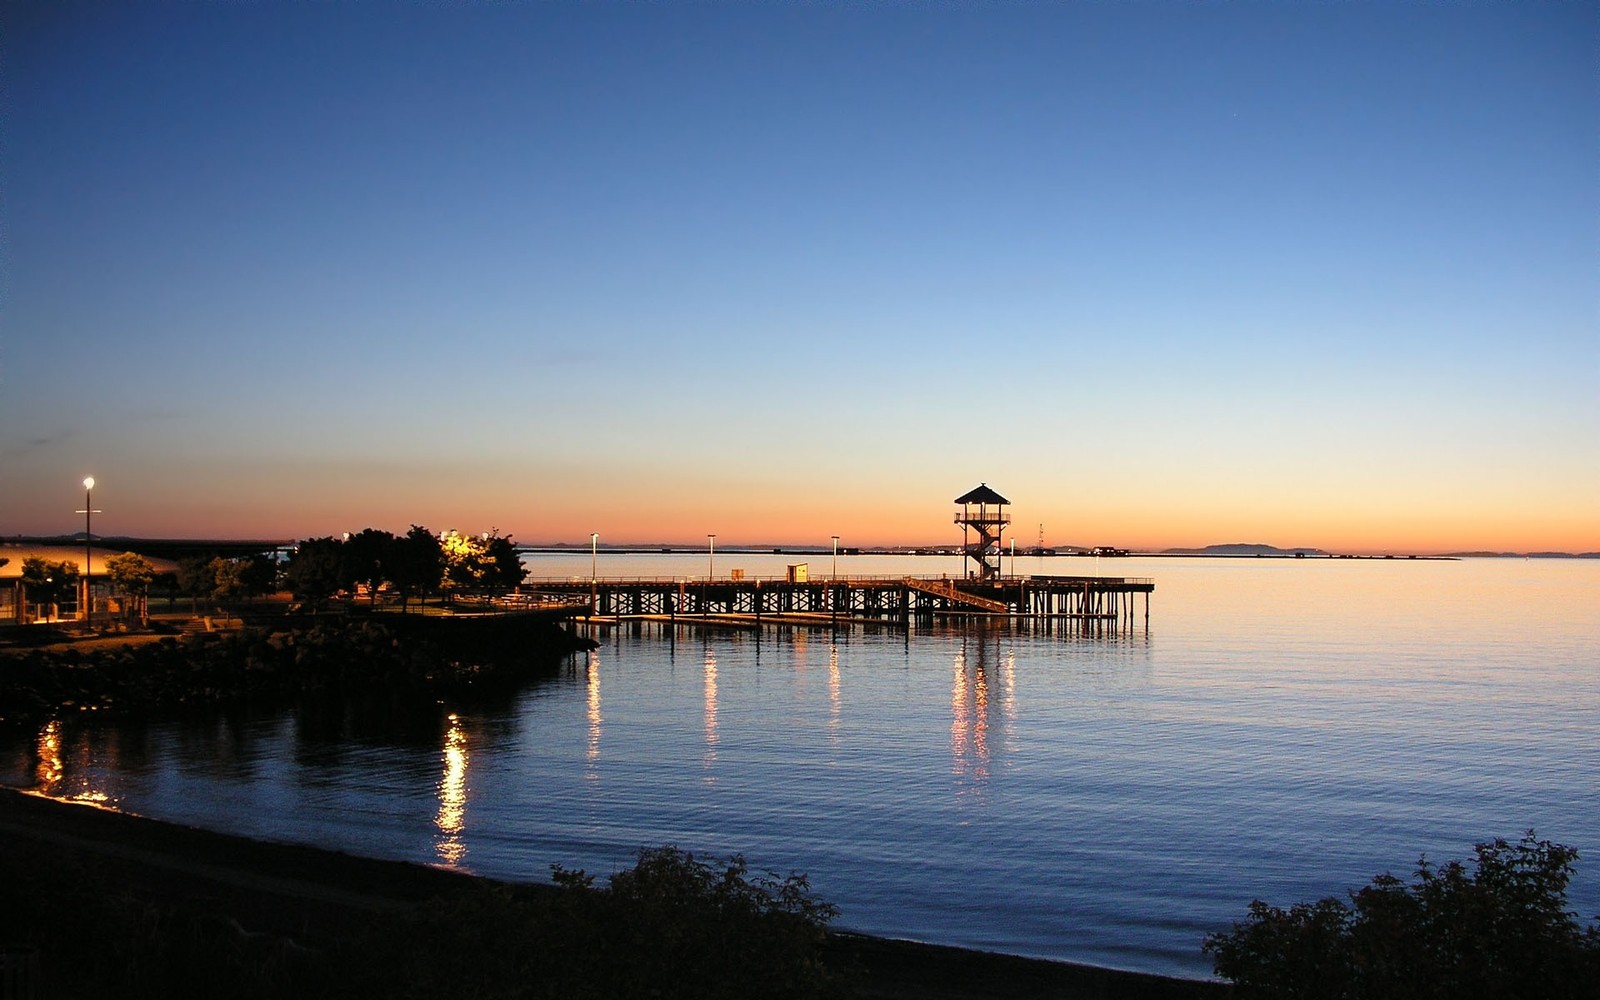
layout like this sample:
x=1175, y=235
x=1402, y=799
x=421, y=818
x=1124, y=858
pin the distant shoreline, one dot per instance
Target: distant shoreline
x=1225, y=551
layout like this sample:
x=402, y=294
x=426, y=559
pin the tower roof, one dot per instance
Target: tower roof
x=983, y=494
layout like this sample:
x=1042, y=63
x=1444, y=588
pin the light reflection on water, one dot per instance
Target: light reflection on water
x=710, y=757
x=969, y=728
x=80, y=779
x=451, y=819
x=1283, y=730
x=47, y=774
x=595, y=718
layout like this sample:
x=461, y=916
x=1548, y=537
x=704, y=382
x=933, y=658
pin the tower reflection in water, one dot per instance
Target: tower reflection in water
x=452, y=795
x=971, y=707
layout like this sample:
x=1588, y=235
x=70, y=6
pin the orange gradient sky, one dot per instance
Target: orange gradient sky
x=1148, y=513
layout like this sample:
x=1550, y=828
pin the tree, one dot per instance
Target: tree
x=479, y=563
x=260, y=575
x=416, y=564
x=48, y=583
x=367, y=555
x=228, y=581
x=316, y=570
x=196, y=579
x=505, y=570
x=464, y=562
x=132, y=574
x=1500, y=930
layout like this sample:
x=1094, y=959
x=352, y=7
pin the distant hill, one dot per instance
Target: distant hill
x=1243, y=549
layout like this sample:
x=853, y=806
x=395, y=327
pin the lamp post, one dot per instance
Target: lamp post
x=711, y=557
x=594, y=555
x=835, y=572
x=88, y=551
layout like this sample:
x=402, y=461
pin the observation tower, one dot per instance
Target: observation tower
x=982, y=511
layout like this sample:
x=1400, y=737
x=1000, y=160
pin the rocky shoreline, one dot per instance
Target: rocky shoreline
x=275, y=662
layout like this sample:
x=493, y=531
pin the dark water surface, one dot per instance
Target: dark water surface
x=1284, y=729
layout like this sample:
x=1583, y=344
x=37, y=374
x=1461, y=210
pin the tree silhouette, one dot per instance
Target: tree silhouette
x=1501, y=930
x=416, y=564
x=316, y=570
x=367, y=554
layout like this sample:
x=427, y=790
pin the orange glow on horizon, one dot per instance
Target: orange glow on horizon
x=626, y=510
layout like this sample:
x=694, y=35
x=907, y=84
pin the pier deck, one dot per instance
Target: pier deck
x=899, y=600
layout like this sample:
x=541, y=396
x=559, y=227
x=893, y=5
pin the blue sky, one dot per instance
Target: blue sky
x=1164, y=273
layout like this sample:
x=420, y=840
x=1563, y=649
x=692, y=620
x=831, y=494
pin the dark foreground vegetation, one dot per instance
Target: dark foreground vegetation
x=99, y=904
x=672, y=926
x=103, y=904
x=402, y=656
x=1499, y=931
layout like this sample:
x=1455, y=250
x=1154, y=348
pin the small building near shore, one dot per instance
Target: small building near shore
x=13, y=592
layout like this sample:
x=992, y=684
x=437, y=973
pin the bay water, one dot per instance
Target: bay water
x=1282, y=729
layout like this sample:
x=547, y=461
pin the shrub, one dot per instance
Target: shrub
x=1502, y=930
x=692, y=929
x=672, y=926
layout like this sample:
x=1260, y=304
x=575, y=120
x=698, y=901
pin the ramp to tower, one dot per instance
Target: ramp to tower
x=947, y=590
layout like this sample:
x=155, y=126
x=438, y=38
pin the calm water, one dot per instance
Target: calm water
x=1284, y=729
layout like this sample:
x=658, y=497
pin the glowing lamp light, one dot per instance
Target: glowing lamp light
x=88, y=551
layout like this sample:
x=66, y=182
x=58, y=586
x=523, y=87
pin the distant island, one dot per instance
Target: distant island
x=1243, y=549
x=1258, y=549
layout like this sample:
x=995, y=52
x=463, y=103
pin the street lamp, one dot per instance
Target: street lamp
x=594, y=554
x=88, y=553
x=835, y=572
x=711, y=557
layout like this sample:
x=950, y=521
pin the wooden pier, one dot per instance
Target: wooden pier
x=1109, y=602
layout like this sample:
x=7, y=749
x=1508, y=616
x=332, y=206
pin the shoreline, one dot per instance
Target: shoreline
x=300, y=894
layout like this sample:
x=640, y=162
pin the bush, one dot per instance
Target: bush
x=1502, y=930
x=672, y=926
x=711, y=930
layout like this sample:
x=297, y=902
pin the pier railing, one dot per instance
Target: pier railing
x=752, y=600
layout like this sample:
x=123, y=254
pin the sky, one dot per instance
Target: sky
x=1161, y=273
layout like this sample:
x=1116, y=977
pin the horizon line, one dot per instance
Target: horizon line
x=870, y=548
